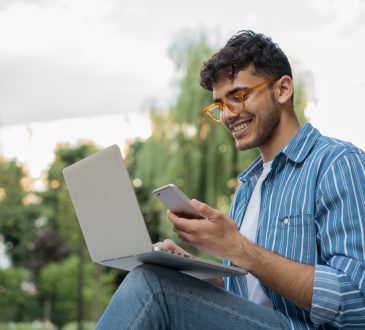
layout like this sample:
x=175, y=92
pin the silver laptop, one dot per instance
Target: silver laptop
x=112, y=223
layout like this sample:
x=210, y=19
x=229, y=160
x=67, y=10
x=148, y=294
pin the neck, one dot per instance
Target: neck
x=282, y=135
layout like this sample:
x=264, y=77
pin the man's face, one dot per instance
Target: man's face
x=255, y=125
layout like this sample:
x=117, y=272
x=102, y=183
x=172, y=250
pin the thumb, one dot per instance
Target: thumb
x=204, y=209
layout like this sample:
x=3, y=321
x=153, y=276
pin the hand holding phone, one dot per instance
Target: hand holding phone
x=177, y=202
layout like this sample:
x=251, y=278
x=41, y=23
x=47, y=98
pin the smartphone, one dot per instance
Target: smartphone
x=176, y=201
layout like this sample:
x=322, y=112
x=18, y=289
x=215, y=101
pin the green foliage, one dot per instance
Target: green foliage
x=74, y=326
x=58, y=285
x=40, y=236
x=17, y=295
x=188, y=53
x=27, y=326
x=17, y=215
x=300, y=100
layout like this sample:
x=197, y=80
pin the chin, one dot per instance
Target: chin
x=243, y=146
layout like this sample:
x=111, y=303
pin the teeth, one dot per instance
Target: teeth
x=239, y=127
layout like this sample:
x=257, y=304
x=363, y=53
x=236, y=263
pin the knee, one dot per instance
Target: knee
x=146, y=269
x=142, y=273
x=144, y=277
x=135, y=284
x=136, y=289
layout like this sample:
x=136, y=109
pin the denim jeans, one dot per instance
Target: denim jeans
x=153, y=297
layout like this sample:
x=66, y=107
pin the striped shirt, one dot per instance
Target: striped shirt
x=312, y=211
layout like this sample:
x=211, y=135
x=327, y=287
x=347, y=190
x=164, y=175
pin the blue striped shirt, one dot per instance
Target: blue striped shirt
x=312, y=211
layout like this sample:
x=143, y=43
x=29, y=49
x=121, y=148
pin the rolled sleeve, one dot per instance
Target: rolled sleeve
x=326, y=299
x=336, y=299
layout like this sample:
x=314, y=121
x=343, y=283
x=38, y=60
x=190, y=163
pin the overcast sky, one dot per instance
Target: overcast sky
x=86, y=58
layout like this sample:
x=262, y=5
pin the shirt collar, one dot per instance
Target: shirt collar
x=301, y=144
x=297, y=150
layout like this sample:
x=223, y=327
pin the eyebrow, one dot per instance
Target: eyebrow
x=231, y=92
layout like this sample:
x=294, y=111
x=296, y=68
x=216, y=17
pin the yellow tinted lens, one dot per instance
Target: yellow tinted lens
x=234, y=100
x=216, y=113
x=234, y=104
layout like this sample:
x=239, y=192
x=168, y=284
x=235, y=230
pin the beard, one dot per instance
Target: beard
x=268, y=120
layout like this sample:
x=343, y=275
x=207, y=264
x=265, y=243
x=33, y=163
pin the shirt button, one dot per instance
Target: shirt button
x=286, y=220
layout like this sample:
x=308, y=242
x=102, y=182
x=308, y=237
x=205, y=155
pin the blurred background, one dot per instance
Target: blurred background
x=80, y=75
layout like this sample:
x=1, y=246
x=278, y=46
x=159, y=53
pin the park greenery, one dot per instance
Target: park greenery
x=51, y=277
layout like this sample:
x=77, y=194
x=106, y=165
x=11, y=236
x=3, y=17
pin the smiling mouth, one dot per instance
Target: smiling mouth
x=241, y=126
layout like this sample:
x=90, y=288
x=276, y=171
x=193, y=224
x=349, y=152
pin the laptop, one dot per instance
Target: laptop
x=112, y=223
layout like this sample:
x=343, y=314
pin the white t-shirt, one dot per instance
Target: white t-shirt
x=249, y=229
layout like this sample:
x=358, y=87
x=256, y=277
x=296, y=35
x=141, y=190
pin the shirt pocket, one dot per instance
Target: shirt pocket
x=293, y=236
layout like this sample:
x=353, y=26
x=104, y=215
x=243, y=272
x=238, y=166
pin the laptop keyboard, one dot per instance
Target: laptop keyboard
x=185, y=255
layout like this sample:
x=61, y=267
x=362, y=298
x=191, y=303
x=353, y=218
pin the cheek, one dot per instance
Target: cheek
x=265, y=112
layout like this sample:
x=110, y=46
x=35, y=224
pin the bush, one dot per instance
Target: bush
x=73, y=326
x=18, y=302
x=58, y=285
x=27, y=326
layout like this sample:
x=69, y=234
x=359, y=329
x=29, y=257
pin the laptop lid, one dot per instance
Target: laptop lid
x=106, y=206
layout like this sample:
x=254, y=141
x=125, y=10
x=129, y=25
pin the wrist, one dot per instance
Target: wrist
x=244, y=253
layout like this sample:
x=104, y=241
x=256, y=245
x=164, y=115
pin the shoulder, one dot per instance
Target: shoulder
x=314, y=154
x=335, y=158
x=334, y=150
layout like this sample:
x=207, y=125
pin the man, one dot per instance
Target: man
x=296, y=223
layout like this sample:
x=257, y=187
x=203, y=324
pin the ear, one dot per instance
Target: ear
x=284, y=89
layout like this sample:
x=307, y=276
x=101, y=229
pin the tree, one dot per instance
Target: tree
x=59, y=283
x=41, y=230
x=17, y=295
x=17, y=212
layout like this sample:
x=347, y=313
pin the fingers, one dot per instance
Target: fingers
x=168, y=244
x=199, y=231
x=185, y=225
x=157, y=245
x=190, y=230
x=178, y=223
x=186, y=237
x=204, y=209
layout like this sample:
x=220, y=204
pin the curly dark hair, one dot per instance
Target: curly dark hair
x=245, y=48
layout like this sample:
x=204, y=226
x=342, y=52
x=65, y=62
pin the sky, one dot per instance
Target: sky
x=90, y=69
